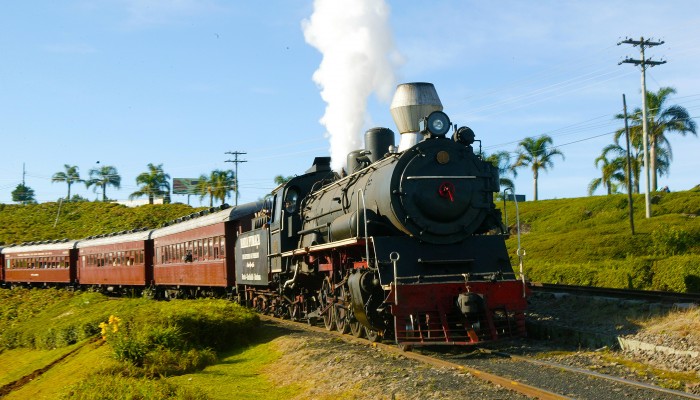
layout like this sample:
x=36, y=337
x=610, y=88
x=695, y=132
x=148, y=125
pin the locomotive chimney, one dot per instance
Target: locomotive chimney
x=411, y=103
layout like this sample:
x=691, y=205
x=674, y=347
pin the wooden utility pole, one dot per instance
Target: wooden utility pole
x=644, y=63
x=629, y=166
x=236, y=161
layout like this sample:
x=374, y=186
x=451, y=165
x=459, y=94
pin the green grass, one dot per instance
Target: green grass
x=241, y=375
x=134, y=343
x=20, y=223
x=17, y=363
x=588, y=241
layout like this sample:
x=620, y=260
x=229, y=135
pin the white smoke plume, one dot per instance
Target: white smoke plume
x=358, y=59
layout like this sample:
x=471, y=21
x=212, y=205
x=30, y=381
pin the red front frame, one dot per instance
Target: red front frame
x=427, y=314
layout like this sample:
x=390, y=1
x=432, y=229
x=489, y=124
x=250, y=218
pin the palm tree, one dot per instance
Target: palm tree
x=103, y=177
x=660, y=122
x=613, y=174
x=280, y=179
x=217, y=186
x=501, y=160
x=537, y=154
x=69, y=176
x=153, y=183
x=620, y=162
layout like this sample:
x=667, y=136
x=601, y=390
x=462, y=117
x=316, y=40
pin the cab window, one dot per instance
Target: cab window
x=291, y=200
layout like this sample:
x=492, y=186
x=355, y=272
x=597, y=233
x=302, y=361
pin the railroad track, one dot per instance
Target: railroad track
x=628, y=294
x=524, y=375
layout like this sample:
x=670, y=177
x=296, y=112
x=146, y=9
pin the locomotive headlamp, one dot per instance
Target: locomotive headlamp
x=435, y=124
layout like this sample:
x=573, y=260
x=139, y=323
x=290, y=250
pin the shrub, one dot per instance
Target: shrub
x=678, y=274
x=164, y=339
x=668, y=240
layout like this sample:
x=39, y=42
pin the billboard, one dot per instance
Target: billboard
x=185, y=185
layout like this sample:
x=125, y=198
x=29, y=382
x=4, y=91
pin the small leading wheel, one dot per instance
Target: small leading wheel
x=372, y=335
x=327, y=303
x=357, y=329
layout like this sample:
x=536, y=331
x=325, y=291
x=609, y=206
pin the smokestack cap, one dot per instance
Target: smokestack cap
x=411, y=103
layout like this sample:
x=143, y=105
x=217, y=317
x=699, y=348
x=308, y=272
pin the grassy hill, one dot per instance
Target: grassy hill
x=46, y=221
x=585, y=241
x=588, y=241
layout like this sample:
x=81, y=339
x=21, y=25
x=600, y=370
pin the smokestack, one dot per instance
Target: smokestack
x=412, y=102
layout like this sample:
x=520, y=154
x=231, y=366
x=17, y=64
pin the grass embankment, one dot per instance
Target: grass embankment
x=588, y=241
x=22, y=223
x=97, y=348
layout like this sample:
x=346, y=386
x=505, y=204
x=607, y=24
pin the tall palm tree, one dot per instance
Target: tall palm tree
x=537, y=154
x=660, y=122
x=153, y=183
x=69, y=176
x=217, y=185
x=103, y=177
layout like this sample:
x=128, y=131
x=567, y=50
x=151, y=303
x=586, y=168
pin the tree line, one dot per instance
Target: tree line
x=539, y=153
x=153, y=183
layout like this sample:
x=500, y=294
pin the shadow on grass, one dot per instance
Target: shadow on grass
x=265, y=333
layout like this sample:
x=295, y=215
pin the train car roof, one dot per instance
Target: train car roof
x=229, y=214
x=23, y=248
x=115, y=238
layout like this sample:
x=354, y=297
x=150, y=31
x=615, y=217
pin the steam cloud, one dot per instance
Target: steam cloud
x=358, y=59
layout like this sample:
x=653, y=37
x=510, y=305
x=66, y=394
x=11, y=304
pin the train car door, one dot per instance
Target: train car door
x=275, y=252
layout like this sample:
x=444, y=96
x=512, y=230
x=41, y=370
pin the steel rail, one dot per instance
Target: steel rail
x=631, y=294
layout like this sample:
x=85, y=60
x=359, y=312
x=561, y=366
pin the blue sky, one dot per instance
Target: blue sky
x=131, y=82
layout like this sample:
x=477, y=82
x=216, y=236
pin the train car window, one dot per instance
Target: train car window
x=216, y=248
x=223, y=246
x=291, y=199
x=210, y=250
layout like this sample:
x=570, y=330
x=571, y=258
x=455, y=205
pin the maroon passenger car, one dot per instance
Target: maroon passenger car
x=196, y=255
x=45, y=263
x=116, y=262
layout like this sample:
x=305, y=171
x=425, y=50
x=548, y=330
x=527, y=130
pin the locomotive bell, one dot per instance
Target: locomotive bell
x=412, y=102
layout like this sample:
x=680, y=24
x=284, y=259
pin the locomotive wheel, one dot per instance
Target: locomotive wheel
x=372, y=335
x=325, y=297
x=357, y=329
x=341, y=313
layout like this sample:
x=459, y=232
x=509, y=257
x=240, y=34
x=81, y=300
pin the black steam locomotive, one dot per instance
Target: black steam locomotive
x=406, y=245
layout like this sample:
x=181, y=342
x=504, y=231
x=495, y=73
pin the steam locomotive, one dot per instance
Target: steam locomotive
x=407, y=244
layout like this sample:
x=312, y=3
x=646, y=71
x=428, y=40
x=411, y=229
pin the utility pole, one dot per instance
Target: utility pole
x=236, y=161
x=629, y=166
x=643, y=63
